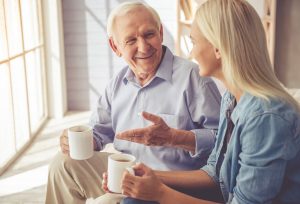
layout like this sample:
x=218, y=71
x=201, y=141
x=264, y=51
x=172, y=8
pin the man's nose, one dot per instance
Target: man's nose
x=143, y=45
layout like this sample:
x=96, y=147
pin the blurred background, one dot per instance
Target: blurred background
x=55, y=62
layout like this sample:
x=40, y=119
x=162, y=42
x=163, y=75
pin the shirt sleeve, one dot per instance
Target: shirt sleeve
x=266, y=146
x=210, y=167
x=101, y=121
x=205, y=111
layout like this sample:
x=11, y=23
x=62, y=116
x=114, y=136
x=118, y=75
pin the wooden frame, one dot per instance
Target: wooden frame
x=269, y=23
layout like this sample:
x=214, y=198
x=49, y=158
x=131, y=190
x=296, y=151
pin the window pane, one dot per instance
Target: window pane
x=3, y=44
x=13, y=26
x=7, y=147
x=19, y=101
x=35, y=78
x=31, y=32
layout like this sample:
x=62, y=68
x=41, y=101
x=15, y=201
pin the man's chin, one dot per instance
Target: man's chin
x=149, y=67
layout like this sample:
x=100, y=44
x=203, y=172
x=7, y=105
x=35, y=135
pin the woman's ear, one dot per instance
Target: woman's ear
x=114, y=47
x=217, y=53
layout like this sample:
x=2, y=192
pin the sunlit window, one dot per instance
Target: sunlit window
x=22, y=75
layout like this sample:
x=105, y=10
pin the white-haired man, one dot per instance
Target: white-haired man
x=180, y=110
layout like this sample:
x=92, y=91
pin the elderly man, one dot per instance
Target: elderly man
x=160, y=109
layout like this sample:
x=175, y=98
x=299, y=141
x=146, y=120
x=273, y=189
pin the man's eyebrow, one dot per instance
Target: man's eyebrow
x=129, y=37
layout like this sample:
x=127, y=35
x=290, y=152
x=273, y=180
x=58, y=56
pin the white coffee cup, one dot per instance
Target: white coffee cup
x=81, y=142
x=117, y=164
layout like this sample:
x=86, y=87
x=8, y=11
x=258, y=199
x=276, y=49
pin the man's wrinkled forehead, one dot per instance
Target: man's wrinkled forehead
x=135, y=14
x=134, y=22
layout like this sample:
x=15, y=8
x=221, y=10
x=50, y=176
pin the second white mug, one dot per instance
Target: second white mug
x=117, y=164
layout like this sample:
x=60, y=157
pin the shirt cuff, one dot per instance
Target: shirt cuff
x=204, y=143
x=98, y=143
x=211, y=171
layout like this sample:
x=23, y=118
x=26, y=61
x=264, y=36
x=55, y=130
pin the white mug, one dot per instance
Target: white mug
x=117, y=164
x=81, y=143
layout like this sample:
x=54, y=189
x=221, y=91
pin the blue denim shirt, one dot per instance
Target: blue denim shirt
x=262, y=162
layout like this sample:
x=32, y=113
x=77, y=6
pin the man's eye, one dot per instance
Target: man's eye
x=130, y=42
x=149, y=35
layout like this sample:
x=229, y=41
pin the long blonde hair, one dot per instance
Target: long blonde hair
x=234, y=27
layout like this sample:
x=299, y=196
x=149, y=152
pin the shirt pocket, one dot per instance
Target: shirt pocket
x=173, y=121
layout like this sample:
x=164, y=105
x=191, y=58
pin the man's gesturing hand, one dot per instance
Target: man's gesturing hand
x=157, y=134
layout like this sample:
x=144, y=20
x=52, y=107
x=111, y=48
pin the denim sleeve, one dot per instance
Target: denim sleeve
x=210, y=167
x=205, y=110
x=101, y=121
x=266, y=142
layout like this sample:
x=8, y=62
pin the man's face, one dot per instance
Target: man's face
x=138, y=40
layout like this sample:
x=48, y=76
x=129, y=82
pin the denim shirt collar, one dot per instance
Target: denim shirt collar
x=240, y=107
x=164, y=70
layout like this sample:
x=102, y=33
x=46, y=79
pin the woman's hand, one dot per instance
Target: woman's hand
x=145, y=185
x=104, y=183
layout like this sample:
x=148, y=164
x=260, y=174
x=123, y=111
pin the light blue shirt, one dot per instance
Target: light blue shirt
x=178, y=94
x=262, y=162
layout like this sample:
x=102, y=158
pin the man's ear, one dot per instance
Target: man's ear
x=161, y=33
x=217, y=53
x=114, y=47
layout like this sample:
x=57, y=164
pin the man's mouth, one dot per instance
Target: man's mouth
x=145, y=57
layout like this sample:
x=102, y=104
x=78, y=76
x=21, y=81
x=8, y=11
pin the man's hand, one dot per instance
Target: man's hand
x=64, y=142
x=157, y=134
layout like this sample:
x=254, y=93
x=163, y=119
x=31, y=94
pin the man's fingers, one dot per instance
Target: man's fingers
x=65, y=147
x=126, y=135
x=65, y=141
x=65, y=152
x=153, y=118
x=129, y=134
x=65, y=132
x=139, y=139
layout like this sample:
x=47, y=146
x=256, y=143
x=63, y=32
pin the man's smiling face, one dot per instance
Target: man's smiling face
x=138, y=40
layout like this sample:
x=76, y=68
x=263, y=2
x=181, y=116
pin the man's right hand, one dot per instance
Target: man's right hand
x=64, y=142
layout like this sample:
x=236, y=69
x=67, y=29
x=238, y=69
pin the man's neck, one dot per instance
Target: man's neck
x=144, y=78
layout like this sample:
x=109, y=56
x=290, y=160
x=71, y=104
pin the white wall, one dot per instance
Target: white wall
x=89, y=61
x=258, y=5
x=287, y=43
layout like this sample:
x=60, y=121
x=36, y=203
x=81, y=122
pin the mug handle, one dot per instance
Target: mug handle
x=130, y=170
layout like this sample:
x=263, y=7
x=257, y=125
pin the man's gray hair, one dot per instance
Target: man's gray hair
x=125, y=8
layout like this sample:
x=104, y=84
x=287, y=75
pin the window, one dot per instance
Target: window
x=22, y=75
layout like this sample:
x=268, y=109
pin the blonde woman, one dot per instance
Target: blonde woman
x=256, y=158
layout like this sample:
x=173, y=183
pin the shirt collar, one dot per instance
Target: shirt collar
x=241, y=105
x=164, y=70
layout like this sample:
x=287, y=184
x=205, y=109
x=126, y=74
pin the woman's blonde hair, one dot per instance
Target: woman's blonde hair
x=234, y=27
x=125, y=8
